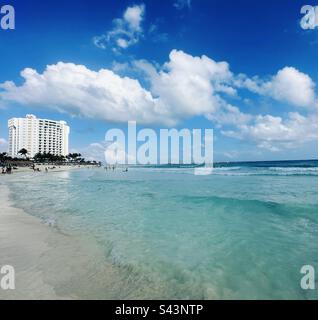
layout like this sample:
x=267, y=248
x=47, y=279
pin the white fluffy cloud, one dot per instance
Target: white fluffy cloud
x=185, y=86
x=274, y=133
x=229, y=115
x=188, y=85
x=126, y=31
x=288, y=85
x=80, y=91
x=103, y=151
x=94, y=151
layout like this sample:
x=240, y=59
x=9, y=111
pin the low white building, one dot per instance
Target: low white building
x=38, y=135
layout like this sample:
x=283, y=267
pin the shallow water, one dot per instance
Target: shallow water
x=243, y=232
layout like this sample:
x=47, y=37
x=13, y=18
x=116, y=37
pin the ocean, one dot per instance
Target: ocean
x=243, y=232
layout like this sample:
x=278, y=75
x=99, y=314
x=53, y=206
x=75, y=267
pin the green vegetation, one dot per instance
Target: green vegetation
x=24, y=152
x=72, y=158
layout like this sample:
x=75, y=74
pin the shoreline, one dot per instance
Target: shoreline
x=49, y=264
x=52, y=265
x=60, y=168
x=23, y=241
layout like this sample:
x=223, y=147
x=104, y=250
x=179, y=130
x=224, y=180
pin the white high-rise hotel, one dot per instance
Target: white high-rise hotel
x=38, y=135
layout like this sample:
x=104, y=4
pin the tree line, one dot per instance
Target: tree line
x=75, y=158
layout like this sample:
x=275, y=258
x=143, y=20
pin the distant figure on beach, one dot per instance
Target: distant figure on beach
x=46, y=170
x=3, y=171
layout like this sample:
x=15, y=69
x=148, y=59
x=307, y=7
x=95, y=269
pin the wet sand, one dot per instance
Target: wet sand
x=48, y=264
x=23, y=241
x=51, y=265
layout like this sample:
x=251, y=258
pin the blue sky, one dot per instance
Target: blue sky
x=245, y=68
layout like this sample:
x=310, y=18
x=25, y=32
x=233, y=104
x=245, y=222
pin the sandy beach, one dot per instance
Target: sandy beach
x=52, y=265
x=52, y=168
x=23, y=241
x=48, y=264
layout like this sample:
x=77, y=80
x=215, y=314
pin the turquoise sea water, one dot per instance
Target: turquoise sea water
x=242, y=233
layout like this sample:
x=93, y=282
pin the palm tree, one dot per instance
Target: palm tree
x=74, y=156
x=23, y=152
x=3, y=156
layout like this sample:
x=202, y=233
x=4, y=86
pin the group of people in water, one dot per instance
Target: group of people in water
x=9, y=169
x=39, y=170
x=112, y=168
